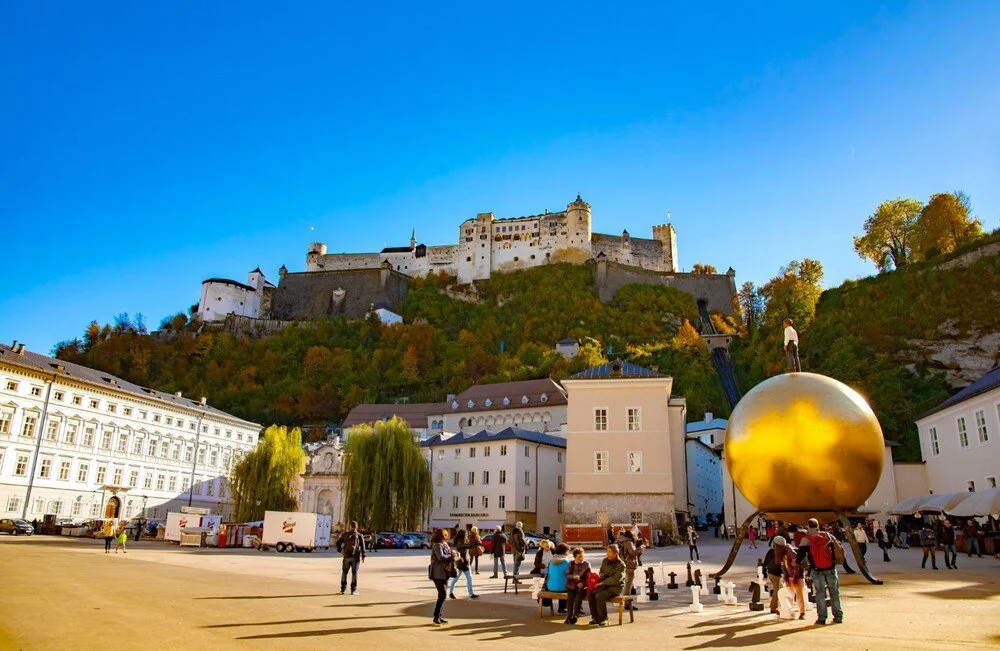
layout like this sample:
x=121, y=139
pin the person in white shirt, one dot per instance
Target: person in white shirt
x=792, y=347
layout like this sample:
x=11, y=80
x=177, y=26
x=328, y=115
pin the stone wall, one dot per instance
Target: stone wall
x=245, y=326
x=657, y=509
x=717, y=290
x=323, y=294
x=631, y=251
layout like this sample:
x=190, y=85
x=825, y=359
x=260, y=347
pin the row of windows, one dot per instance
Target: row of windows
x=502, y=478
x=602, y=461
x=981, y=430
x=488, y=449
x=77, y=507
x=484, y=502
x=633, y=419
x=59, y=395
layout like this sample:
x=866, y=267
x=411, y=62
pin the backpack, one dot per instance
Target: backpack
x=351, y=545
x=839, y=557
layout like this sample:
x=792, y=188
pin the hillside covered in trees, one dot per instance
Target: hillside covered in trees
x=870, y=334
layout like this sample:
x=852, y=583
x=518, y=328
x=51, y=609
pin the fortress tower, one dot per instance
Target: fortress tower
x=665, y=234
x=578, y=224
x=316, y=249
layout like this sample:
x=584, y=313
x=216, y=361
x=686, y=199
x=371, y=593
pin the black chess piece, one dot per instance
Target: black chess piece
x=697, y=578
x=755, y=602
x=651, y=585
x=717, y=589
x=690, y=581
x=673, y=581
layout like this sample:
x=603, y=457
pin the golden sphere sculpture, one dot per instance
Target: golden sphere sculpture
x=802, y=445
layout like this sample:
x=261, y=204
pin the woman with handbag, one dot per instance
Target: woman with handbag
x=462, y=567
x=441, y=569
x=476, y=549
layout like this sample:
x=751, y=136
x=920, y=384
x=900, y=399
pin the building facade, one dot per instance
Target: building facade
x=704, y=466
x=323, y=482
x=90, y=444
x=221, y=297
x=958, y=438
x=625, y=457
x=488, y=479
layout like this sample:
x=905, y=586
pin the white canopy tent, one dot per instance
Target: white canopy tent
x=978, y=504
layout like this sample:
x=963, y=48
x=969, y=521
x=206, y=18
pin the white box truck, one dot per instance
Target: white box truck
x=288, y=531
x=177, y=521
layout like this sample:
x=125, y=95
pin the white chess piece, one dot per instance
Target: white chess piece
x=786, y=603
x=696, y=605
x=730, y=593
x=704, y=586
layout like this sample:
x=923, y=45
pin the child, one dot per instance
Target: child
x=121, y=538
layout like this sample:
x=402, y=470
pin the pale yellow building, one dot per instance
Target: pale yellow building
x=624, y=448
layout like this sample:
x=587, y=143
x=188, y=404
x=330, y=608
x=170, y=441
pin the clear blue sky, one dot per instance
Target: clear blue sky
x=144, y=148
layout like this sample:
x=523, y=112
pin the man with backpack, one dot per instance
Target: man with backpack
x=352, y=545
x=825, y=553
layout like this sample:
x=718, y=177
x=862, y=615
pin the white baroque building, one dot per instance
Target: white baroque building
x=491, y=478
x=487, y=245
x=704, y=465
x=85, y=443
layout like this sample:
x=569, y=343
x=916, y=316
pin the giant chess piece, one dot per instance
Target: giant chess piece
x=690, y=581
x=651, y=585
x=673, y=581
x=717, y=589
x=755, y=603
x=760, y=576
x=700, y=582
x=729, y=593
x=696, y=606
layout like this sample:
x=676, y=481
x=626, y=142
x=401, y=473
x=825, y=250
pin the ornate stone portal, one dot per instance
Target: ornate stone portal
x=323, y=482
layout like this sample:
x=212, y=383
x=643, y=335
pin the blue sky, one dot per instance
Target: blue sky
x=147, y=147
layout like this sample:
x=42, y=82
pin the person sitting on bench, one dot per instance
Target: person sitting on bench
x=576, y=584
x=555, y=576
x=610, y=584
x=543, y=546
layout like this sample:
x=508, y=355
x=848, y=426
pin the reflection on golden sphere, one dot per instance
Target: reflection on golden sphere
x=800, y=444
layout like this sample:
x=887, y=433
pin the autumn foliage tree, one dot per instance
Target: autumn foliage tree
x=944, y=225
x=887, y=240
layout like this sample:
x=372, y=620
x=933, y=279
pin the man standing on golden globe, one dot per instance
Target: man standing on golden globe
x=792, y=348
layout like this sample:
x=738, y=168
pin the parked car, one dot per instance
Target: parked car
x=390, y=540
x=16, y=526
x=488, y=544
x=416, y=540
x=532, y=541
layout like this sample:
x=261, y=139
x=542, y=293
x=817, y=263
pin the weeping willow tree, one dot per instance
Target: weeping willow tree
x=388, y=484
x=266, y=479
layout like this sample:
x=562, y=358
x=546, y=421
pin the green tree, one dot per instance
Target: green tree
x=388, y=484
x=751, y=306
x=888, y=233
x=944, y=224
x=266, y=478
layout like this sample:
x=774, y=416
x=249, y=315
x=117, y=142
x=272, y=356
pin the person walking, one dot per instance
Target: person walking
x=791, y=348
x=441, y=569
x=948, y=544
x=890, y=533
x=862, y=537
x=791, y=572
x=351, y=545
x=928, y=544
x=640, y=544
x=518, y=546
x=824, y=571
x=611, y=535
x=882, y=538
x=972, y=538
x=475, y=549
x=460, y=545
x=108, y=533
x=772, y=566
x=498, y=546
x=752, y=537
x=121, y=538
x=462, y=568
x=692, y=541
x=576, y=585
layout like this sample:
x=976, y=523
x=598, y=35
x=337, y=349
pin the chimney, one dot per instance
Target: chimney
x=20, y=349
x=13, y=346
x=178, y=394
x=708, y=416
x=203, y=400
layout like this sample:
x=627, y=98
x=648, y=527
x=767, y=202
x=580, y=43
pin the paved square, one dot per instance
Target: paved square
x=66, y=593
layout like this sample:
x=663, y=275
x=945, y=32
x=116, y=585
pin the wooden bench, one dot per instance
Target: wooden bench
x=624, y=601
x=554, y=596
x=516, y=578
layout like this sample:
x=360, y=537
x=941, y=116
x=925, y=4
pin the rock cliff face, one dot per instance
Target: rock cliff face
x=962, y=358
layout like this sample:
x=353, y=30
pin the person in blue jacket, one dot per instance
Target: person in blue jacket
x=555, y=574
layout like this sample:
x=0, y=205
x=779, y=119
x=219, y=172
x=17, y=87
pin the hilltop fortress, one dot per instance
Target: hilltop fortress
x=350, y=284
x=487, y=245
